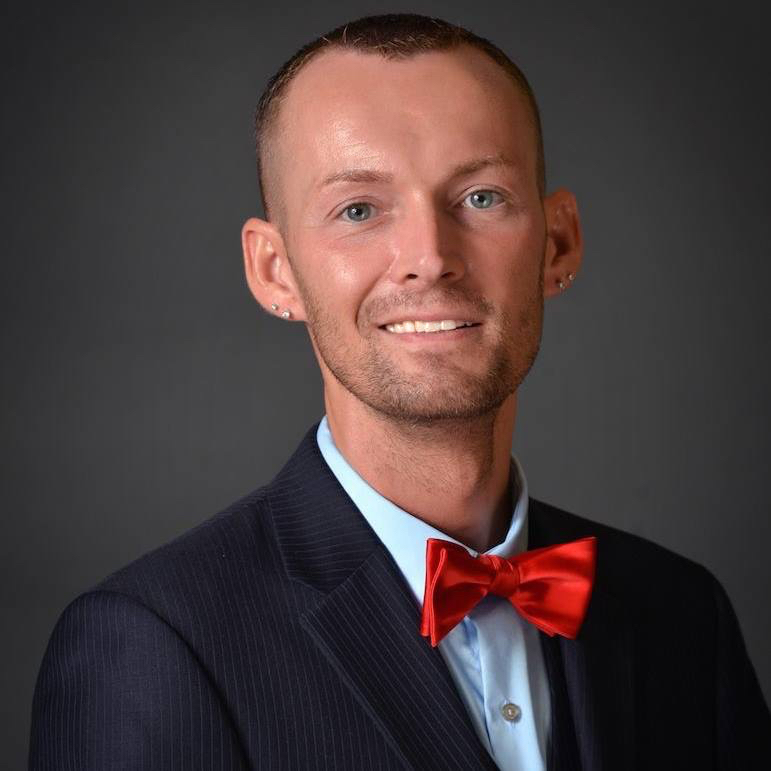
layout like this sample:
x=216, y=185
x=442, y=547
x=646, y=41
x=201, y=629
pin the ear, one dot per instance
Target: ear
x=564, y=241
x=268, y=272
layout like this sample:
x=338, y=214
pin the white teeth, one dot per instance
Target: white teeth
x=427, y=326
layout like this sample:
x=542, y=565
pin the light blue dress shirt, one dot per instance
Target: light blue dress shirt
x=493, y=655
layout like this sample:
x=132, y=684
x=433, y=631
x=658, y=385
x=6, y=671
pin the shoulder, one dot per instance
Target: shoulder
x=128, y=655
x=630, y=566
x=192, y=574
x=184, y=591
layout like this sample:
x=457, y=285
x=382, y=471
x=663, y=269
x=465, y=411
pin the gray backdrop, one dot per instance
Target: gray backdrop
x=143, y=390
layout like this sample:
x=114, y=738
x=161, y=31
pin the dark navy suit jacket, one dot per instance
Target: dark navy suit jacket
x=279, y=634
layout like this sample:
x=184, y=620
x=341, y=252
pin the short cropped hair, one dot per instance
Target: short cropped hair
x=392, y=36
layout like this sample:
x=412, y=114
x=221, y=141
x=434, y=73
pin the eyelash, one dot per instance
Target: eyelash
x=470, y=193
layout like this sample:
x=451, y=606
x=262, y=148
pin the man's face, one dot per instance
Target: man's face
x=410, y=198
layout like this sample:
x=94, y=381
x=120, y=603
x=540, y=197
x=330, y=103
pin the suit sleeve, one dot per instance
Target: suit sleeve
x=119, y=688
x=743, y=728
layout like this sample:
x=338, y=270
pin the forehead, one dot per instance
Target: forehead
x=348, y=109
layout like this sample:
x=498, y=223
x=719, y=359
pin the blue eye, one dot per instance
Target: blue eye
x=358, y=212
x=482, y=199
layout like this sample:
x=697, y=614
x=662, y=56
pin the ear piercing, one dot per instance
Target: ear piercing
x=287, y=314
x=561, y=284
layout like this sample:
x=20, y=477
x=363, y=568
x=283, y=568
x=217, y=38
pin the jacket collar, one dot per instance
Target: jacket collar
x=366, y=622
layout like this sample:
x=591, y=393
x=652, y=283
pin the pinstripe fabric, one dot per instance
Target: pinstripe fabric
x=279, y=634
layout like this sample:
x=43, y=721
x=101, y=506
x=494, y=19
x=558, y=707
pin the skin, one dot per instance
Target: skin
x=426, y=419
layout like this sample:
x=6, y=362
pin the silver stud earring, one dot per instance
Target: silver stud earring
x=560, y=284
x=286, y=314
x=274, y=306
x=571, y=276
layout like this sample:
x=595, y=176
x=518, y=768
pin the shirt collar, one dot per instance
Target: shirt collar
x=403, y=534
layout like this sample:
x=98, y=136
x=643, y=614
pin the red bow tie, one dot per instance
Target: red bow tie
x=550, y=587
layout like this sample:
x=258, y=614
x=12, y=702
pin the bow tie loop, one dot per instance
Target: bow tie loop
x=550, y=586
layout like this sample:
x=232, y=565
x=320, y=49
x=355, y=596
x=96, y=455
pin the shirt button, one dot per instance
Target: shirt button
x=511, y=712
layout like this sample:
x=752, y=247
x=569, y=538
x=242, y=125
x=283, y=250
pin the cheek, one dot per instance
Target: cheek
x=511, y=255
x=340, y=276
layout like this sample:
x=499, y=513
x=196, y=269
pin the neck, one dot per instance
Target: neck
x=453, y=474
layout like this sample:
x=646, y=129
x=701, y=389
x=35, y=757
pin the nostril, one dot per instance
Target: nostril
x=412, y=275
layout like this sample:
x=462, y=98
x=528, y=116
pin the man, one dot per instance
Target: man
x=393, y=598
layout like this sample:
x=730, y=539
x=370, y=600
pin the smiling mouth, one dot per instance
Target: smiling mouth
x=405, y=327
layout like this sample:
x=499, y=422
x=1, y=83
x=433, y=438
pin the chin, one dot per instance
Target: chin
x=436, y=414
x=425, y=405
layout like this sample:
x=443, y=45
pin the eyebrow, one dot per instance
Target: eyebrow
x=356, y=175
x=469, y=167
x=382, y=177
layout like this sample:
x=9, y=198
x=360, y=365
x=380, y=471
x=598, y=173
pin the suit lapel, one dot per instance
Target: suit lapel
x=562, y=752
x=591, y=677
x=366, y=622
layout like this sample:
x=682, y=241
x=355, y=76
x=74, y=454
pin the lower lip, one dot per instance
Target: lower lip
x=445, y=336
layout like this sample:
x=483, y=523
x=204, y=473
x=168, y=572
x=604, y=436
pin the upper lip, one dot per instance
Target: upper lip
x=438, y=316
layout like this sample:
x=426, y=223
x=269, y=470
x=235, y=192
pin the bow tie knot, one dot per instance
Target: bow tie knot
x=505, y=576
x=549, y=587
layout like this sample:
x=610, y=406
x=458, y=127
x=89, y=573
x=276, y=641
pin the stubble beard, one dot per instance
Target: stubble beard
x=443, y=392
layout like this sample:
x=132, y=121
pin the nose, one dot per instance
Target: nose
x=427, y=249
